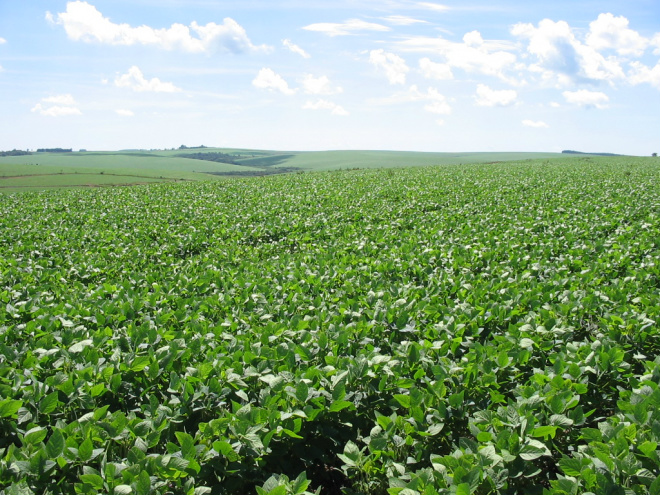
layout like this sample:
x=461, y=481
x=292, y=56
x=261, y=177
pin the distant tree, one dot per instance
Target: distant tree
x=654, y=155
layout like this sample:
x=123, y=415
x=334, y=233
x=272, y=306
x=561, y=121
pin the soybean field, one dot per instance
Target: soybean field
x=458, y=329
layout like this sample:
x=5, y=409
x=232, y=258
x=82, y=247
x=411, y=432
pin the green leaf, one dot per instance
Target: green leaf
x=533, y=449
x=570, y=466
x=340, y=405
x=456, y=400
x=140, y=363
x=403, y=399
x=34, y=436
x=302, y=391
x=545, y=432
x=49, y=403
x=92, y=479
x=123, y=490
x=143, y=484
x=55, y=444
x=463, y=489
x=80, y=346
x=86, y=450
x=9, y=408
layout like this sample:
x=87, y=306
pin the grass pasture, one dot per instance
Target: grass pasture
x=487, y=329
x=79, y=169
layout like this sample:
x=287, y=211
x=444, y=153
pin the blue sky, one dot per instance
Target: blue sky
x=342, y=74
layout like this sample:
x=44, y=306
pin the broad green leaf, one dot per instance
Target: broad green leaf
x=80, y=346
x=86, y=450
x=55, y=444
x=9, y=408
x=143, y=484
x=49, y=403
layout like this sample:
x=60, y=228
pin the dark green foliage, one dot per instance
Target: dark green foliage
x=485, y=329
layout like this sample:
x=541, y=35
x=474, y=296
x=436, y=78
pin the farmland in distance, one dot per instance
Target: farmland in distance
x=486, y=328
x=55, y=170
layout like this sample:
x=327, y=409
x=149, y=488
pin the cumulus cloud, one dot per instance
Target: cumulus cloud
x=487, y=97
x=83, y=22
x=562, y=57
x=434, y=70
x=57, y=106
x=539, y=124
x=586, y=98
x=473, y=54
x=270, y=80
x=135, y=80
x=295, y=49
x=641, y=73
x=395, y=67
x=609, y=32
x=319, y=86
x=124, y=113
x=349, y=27
x=325, y=105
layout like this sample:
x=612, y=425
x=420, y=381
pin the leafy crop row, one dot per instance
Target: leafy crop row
x=486, y=329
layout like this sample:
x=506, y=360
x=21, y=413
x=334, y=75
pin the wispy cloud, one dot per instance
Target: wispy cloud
x=346, y=28
x=295, y=49
x=325, y=105
x=539, y=124
x=124, y=113
x=437, y=7
x=402, y=20
x=135, y=80
x=83, y=22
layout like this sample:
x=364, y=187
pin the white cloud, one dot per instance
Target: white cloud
x=587, y=99
x=124, y=112
x=319, y=86
x=609, y=32
x=135, y=80
x=487, y=97
x=402, y=20
x=433, y=6
x=295, y=49
x=394, y=66
x=83, y=22
x=539, y=124
x=562, y=57
x=642, y=74
x=433, y=70
x=345, y=28
x=655, y=42
x=57, y=106
x=435, y=101
x=268, y=79
x=554, y=104
x=2, y=41
x=66, y=99
x=325, y=105
x=474, y=54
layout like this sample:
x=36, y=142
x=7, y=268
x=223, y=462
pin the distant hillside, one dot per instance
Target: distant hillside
x=572, y=152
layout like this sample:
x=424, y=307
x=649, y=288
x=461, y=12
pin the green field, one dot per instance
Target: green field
x=76, y=169
x=487, y=329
